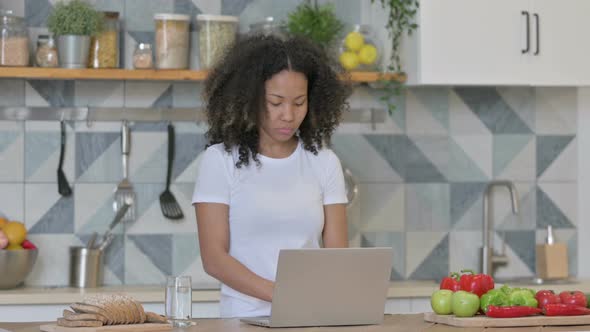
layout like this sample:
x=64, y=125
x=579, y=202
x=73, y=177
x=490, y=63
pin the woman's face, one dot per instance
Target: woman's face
x=286, y=106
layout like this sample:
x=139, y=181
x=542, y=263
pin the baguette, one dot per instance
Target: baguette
x=83, y=308
x=70, y=315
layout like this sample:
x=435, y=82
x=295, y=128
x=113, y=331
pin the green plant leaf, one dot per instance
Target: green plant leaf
x=76, y=17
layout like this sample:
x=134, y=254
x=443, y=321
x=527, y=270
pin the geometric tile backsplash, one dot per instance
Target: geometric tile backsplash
x=422, y=173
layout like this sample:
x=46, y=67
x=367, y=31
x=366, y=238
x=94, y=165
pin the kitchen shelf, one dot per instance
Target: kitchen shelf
x=147, y=74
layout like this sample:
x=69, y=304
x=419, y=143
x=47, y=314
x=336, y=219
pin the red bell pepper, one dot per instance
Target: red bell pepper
x=576, y=297
x=478, y=284
x=545, y=297
x=511, y=311
x=451, y=282
x=561, y=309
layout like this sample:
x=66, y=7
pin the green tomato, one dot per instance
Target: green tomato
x=440, y=301
x=465, y=304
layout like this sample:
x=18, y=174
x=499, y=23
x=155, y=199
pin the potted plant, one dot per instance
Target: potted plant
x=400, y=21
x=73, y=23
x=318, y=23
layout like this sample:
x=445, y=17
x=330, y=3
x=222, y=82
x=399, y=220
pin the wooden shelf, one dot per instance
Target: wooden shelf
x=145, y=75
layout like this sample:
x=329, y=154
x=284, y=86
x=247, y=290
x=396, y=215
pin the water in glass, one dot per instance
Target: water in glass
x=179, y=301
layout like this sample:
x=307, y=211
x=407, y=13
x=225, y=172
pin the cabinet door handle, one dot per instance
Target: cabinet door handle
x=538, y=38
x=528, y=31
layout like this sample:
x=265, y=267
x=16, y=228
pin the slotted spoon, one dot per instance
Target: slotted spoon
x=170, y=207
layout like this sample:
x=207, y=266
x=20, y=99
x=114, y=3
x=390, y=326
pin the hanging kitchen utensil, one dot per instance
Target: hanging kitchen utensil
x=124, y=192
x=170, y=207
x=108, y=235
x=63, y=187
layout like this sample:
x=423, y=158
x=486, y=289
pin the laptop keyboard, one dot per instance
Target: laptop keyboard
x=258, y=321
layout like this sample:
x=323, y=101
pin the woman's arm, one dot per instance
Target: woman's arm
x=213, y=226
x=335, y=233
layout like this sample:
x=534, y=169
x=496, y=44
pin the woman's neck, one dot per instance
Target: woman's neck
x=278, y=149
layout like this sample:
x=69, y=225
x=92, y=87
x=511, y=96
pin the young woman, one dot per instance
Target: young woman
x=267, y=181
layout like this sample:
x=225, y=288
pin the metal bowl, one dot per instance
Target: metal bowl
x=15, y=266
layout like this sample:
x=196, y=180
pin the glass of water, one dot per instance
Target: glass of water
x=179, y=301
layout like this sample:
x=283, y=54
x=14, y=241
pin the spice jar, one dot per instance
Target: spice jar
x=14, y=40
x=172, y=41
x=216, y=34
x=268, y=27
x=104, y=47
x=46, y=54
x=359, y=50
x=142, y=56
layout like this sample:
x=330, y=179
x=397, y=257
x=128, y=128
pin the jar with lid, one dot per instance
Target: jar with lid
x=216, y=34
x=14, y=40
x=359, y=50
x=104, y=47
x=46, y=53
x=172, y=41
x=142, y=56
x=268, y=27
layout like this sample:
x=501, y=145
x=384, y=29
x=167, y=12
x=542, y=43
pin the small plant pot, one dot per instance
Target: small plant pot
x=73, y=51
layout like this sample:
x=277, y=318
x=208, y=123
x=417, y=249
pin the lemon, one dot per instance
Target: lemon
x=368, y=54
x=14, y=247
x=349, y=60
x=15, y=232
x=354, y=41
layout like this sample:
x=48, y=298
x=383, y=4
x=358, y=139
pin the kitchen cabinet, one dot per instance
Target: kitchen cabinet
x=499, y=42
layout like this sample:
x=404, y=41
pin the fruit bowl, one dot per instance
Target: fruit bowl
x=15, y=266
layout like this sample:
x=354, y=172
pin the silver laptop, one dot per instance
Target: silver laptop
x=329, y=287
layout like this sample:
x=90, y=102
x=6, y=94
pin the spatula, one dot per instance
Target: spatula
x=124, y=192
x=63, y=187
x=168, y=203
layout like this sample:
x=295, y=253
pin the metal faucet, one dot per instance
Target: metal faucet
x=488, y=259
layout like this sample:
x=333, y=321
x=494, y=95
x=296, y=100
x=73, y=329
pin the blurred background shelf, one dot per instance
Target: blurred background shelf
x=147, y=75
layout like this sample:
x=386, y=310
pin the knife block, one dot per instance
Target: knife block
x=552, y=262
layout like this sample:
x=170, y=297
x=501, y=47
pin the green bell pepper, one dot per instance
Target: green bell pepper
x=493, y=297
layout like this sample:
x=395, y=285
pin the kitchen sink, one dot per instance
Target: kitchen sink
x=535, y=281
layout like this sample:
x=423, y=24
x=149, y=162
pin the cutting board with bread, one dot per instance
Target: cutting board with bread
x=108, y=312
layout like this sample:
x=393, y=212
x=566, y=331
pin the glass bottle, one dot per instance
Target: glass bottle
x=360, y=50
x=142, y=56
x=46, y=54
x=104, y=47
x=14, y=40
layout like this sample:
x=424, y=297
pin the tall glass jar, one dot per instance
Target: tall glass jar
x=360, y=50
x=216, y=34
x=172, y=41
x=14, y=40
x=268, y=27
x=46, y=53
x=104, y=47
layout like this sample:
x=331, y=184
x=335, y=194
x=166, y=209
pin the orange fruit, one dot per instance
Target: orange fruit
x=15, y=232
x=3, y=222
x=14, y=247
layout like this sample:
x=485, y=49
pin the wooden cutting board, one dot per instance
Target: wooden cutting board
x=483, y=321
x=108, y=328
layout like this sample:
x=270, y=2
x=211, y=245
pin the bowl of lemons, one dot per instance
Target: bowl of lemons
x=358, y=51
x=17, y=254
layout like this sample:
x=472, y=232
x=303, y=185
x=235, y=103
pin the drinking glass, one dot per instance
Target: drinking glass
x=179, y=300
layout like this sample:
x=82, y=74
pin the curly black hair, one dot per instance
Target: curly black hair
x=234, y=92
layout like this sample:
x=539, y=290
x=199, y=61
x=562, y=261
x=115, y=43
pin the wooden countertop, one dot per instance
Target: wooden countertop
x=210, y=293
x=392, y=323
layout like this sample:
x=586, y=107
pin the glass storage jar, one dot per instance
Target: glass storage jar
x=14, y=40
x=268, y=27
x=359, y=50
x=216, y=34
x=46, y=53
x=142, y=56
x=104, y=47
x=172, y=41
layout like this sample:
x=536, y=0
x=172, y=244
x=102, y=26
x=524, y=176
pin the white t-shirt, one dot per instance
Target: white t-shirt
x=278, y=205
